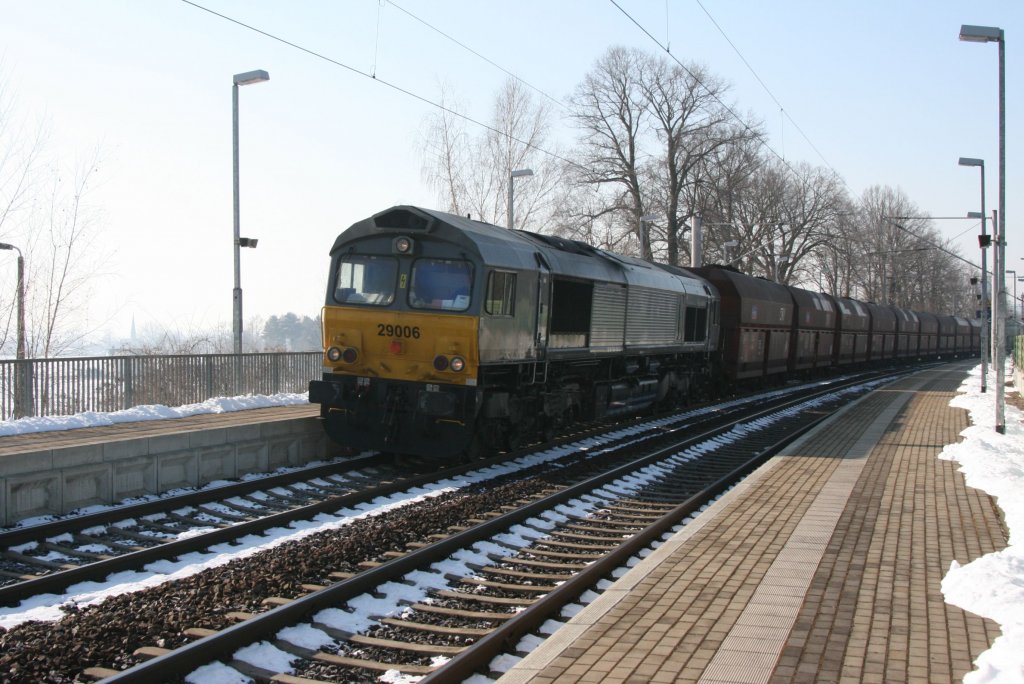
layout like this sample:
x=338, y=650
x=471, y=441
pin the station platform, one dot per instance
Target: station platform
x=116, y=432
x=823, y=566
x=62, y=471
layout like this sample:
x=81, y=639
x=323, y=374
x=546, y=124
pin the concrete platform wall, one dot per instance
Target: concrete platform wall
x=59, y=480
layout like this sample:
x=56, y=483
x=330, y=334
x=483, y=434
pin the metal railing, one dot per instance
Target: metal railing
x=66, y=386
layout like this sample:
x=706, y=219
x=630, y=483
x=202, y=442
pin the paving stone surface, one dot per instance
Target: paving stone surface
x=822, y=567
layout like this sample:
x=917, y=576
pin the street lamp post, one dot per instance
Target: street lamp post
x=990, y=34
x=22, y=391
x=249, y=77
x=983, y=241
x=518, y=173
x=21, y=298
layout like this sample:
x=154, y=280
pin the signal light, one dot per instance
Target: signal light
x=395, y=347
x=349, y=355
x=440, y=363
x=334, y=354
x=458, y=364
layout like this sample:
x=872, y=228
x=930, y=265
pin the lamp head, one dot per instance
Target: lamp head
x=971, y=161
x=258, y=76
x=980, y=34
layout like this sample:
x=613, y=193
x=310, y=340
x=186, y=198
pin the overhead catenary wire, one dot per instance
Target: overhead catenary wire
x=393, y=86
x=477, y=54
x=768, y=90
x=747, y=127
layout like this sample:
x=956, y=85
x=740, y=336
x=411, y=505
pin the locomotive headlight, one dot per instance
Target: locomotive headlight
x=440, y=362
x=334, y=354
x=349, y=355
x=402, y=245
x=458, y=363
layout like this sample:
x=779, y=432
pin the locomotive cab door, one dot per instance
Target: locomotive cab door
x=543, y=312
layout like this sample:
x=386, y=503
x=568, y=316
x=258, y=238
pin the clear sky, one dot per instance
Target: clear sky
x=883, y=89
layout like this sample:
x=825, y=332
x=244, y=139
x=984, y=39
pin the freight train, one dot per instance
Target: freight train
x=449, y=337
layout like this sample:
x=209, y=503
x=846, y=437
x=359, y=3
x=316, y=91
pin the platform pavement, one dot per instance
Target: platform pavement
x=99, y=434
x=823, y=566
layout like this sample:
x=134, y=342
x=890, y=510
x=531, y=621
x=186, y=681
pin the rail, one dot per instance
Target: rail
x=66, y=386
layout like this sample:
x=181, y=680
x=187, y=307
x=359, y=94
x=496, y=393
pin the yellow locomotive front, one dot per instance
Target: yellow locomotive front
x=400, y=330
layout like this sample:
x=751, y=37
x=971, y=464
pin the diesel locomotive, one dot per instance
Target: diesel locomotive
x=446, y=337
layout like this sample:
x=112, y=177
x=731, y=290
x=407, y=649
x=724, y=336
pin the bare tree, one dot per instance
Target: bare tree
x=610, y=109
x=471, y=174
x=63, y=265
x=20, y=152
x=445, y=151
x=888, y=245
x=651, y=131
x=692, y=123
x=835, y=259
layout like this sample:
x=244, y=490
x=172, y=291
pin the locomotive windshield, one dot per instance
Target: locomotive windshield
x=366, y=280
x=440, y=284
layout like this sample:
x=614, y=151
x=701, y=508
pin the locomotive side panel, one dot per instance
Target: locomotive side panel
x=508, y=318
x=652, y=318
x=608, y=320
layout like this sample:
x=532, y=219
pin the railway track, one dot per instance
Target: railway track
x=51, y=557
x=444, y=607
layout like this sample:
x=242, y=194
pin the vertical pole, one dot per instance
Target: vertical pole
x=696, y=242
x=511, y=178
x=237, y=292
x=986, y=306
x=21, y=307
x=1001, y=242
x=23, y=379
x=236, y=308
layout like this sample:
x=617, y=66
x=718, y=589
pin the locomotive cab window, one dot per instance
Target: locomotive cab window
x=440, y=284
x=501, y=294
x=363, y=279
x=696, y=324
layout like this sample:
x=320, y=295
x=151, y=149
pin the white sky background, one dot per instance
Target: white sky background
x=885, y=91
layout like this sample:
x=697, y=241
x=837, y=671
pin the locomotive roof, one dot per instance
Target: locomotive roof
x=503, y=248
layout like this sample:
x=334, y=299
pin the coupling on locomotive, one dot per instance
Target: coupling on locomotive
x=445, y=337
